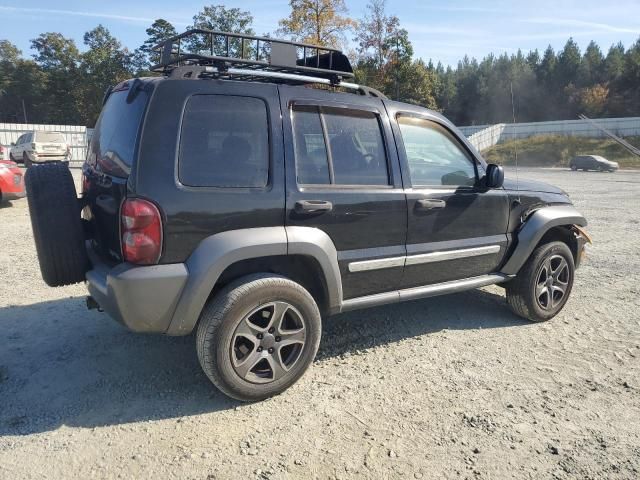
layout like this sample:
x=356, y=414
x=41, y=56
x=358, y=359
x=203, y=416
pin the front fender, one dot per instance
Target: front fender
x=534, y=228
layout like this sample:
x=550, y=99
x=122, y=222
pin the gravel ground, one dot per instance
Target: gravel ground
x=448, y=387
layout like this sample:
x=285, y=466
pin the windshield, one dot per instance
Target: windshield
x=50, y=137
x=113, y=144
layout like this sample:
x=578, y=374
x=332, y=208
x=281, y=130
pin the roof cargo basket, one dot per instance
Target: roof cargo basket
x=221, y=49
x=208, y=53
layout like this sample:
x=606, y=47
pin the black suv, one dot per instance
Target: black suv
x=246, y=198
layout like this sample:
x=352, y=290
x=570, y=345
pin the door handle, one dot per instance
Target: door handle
x=430, y=204
x=313, y=206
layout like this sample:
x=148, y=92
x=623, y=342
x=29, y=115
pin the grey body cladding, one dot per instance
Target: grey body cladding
x=431, y=257
x=169, y=298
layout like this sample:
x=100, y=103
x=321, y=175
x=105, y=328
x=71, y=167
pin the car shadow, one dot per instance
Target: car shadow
x=63, y=365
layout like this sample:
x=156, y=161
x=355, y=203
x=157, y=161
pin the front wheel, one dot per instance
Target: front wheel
x=258, y=336
x=543, y=285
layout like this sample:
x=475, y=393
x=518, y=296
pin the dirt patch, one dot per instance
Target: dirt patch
x=448, y=387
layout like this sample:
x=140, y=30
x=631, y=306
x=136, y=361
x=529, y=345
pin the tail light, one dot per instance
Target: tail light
x=141, y=232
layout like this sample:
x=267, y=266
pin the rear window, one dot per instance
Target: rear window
x=113, y=144
x=49, y=137
x=224, y=142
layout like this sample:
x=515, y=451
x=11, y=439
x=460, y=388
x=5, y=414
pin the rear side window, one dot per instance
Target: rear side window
x=340, y=147
x=114, y=139
x=224, y=142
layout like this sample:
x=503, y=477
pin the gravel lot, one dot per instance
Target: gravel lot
x=449, y=387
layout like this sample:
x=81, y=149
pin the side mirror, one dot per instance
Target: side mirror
x=495, y=176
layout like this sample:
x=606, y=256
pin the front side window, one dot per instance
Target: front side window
x=434, y=155
x=335, y=146
x=224, y=142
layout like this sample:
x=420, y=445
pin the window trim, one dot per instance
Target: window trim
x=201, y=188
x=469, y=154
x=320, y=108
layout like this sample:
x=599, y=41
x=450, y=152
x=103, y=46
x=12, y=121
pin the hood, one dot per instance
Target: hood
x=531, y=186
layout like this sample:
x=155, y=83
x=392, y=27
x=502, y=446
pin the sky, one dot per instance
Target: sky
x=440, y=30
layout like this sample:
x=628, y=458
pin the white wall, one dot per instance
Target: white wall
x=485, y=136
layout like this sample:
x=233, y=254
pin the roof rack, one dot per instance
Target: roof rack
x=210, y=47
x=209, y=53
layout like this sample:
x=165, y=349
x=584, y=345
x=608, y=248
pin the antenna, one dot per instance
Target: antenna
x=515, y=142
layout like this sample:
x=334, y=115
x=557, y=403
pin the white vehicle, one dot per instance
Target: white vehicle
x=4, y=152
x=40, y=147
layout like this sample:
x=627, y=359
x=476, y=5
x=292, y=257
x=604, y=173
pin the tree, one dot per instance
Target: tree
x=159, y=31
x=9, y=52
x=223, y=19
x=569, y=61
x=58, y=58
x=591, y=69
x=104, y=64
x=375, y=33
x=320, y=22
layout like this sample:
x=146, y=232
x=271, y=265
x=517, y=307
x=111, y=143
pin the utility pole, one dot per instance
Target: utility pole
x=397, y=65
x=24, y=111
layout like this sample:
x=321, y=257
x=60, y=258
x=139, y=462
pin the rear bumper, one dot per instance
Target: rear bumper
x=13, y=195
x=141, y=298
x=47, y=157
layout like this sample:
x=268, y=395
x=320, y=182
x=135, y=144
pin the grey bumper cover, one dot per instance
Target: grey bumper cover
x=142, y=298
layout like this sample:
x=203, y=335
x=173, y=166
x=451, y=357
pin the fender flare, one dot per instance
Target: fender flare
x=535, y=227
x=216, y=253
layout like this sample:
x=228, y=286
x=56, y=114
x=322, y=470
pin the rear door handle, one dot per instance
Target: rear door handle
x=430, y=204
x=313, y=206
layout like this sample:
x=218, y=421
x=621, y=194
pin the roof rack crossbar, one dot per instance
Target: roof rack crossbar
x=253, y=74
x=325, y=62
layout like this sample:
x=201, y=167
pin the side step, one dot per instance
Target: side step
x=423, y=292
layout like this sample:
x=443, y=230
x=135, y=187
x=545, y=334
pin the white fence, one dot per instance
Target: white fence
x=485, y=136
x=76, y=136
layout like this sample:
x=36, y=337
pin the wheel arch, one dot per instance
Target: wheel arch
x=542, y=226
x=304, y=254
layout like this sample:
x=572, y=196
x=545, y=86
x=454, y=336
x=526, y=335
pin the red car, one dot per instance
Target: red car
x=11, y=181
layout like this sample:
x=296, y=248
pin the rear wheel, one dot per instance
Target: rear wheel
x=543, y=285
x=257, y=336
x=26, y=160
x=56, y=223
x=574, y=168
x=11, y=157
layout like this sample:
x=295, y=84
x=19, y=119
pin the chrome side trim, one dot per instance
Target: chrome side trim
x=367, y=265
x=422, y=292
x=451, y=255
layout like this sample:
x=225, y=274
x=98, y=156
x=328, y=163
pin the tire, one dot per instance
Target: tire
x=56, y=223
x=574, y=168
x=26, y=160
x=12, y=158
x=227, y=324
x=526, y=294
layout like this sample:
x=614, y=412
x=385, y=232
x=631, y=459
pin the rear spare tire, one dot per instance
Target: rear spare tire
x=56, y=223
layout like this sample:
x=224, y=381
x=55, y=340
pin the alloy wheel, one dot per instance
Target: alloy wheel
x=268, y=342
x=552, y=282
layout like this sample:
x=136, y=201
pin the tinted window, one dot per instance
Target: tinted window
x=435, y=157
x=224, y=142
x=114, y=139
x=311, y=152
x=356, y=155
